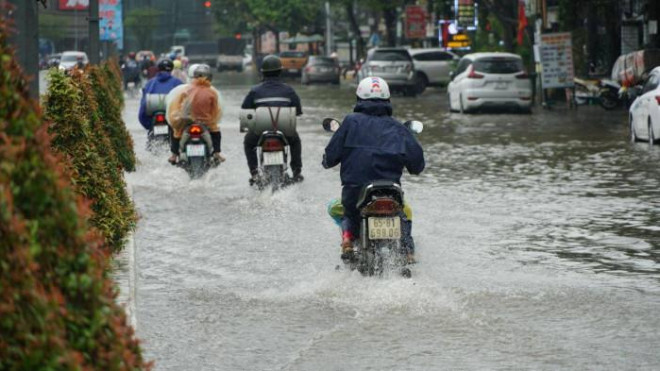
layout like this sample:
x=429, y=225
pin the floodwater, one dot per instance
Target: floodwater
x=538, y=242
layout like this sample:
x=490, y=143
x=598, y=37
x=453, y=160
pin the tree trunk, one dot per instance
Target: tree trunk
x=390, y=14
x=355, y=28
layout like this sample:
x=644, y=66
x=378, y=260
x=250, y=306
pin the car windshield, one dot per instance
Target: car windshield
x=391, y=55
x=292, y=55
x=498, y=65
x=322, y=61
x=70, y=57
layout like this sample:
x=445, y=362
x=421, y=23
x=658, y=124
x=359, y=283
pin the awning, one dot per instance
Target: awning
x=303, y=39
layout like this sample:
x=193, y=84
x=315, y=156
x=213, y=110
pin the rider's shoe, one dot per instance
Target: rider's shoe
x=346, y=249
x=410, y=258
x=297, y=176
x=219, y=158
x=254, y=178
x=173, y=159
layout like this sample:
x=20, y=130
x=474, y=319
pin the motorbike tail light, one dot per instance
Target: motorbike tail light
x=160, y=118
x=195, y=131
x=272, y=145
x=382, y=206
x=473, y=75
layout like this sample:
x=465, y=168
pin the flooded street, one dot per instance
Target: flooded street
x=538, y=246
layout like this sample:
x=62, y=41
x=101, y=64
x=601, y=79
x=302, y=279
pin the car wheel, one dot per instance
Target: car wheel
x=651, y=134
x=422, y=83
x=633, y=135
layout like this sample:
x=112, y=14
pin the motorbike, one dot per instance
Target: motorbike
x=273, y=154
x=381, y=245
x=160, y=133
x=197, y=149
x=607, y=93
x=272, y=125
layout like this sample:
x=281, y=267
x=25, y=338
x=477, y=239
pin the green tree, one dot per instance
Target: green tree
x=142, y=22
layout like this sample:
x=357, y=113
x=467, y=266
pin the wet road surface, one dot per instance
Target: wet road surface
x=538, y=245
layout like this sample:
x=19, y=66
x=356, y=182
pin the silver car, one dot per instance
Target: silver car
x=433, y=66
x=321, y=69
x=71, y=59
x=395, y=65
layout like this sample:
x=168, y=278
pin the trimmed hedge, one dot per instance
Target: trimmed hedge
x=78, y=134
x=57, y=302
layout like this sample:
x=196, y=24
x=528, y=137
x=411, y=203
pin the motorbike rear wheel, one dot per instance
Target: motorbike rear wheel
x=196, y=167
x=608, y=100
x=274, y=176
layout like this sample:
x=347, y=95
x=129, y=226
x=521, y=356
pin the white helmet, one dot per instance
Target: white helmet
x=373, y=88
x=191, y=70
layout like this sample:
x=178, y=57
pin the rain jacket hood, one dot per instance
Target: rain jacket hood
x=371, y=145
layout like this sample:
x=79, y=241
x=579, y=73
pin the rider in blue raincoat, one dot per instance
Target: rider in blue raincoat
x=161, y=84
x=371, y=145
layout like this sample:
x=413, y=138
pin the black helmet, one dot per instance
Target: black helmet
x=203, y=70
x=165, y=65
x=271, y=65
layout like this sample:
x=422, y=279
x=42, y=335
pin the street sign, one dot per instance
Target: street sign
x=465, y=13
x=415, y=22
x=557, y=60
x=73, y=4
x=458, y=41
x=111, y=26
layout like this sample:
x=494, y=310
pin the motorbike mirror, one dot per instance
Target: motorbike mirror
x=414, y=126
x=331, y=125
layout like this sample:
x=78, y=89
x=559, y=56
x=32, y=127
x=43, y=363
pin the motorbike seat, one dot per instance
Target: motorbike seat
x=380, y=188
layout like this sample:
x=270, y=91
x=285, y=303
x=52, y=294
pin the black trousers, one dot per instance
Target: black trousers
x=250, y=144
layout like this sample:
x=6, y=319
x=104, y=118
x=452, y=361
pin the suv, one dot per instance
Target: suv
x=490, y=80
x=395, y=65
x=433, y=66
x=70, y=59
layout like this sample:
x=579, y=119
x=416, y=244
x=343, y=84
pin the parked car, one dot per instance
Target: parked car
x=645, y=111
x=490, y=80
x=321, y=69
x=293, y=62
x=433, y=66
x=395, y=65
x=71, y=58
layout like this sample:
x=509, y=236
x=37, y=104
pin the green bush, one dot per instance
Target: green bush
x=107, y=88
x=78, y=134
x=57, y=303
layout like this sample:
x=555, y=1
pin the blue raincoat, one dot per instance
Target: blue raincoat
x=161, y=84
x=370, y=145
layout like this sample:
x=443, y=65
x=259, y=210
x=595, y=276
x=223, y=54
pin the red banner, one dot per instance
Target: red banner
x=73, y=4
x=415, y=22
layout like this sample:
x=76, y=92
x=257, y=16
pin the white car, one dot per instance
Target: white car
x=433, y=66
x=645, y=111
x=490, y=80
x=71, y=58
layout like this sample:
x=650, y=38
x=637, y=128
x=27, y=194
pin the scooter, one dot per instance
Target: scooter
x=160, y=133
x=197, y=149
x=384, y=223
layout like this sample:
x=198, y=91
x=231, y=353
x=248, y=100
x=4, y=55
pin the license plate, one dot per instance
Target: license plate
x=293, y=70
x=273, y=158
x=384, y=228
x=160, y=130
x=196, y=150
x=501, y=85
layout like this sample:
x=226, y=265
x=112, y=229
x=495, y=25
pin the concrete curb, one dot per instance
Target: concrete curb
x=131, y=252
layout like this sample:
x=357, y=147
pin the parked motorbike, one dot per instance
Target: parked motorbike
x=380, y=247
x=197, y=149
x=272, y=125
x=607, y=93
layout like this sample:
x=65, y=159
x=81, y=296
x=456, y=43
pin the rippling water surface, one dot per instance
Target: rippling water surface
x=538, y=244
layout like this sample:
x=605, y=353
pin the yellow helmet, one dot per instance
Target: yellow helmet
x=177, y=64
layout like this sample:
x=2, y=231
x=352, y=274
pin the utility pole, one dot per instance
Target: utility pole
x=328, y=30
x=26, y=40
x=94, y=32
